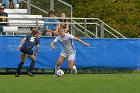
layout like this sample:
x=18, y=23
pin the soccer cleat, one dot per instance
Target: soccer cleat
x=30, y=74
x=74, y=70
x=16, y=75
x=54, y=75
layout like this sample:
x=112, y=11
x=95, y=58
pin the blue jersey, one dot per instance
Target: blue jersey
x=31, y=41
x=3, y=18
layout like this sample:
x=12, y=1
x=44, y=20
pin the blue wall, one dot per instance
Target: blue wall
x=112, y=53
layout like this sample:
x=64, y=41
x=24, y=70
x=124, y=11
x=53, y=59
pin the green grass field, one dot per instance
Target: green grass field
x=81, y=83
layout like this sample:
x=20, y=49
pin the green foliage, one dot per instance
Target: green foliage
x=122, y=15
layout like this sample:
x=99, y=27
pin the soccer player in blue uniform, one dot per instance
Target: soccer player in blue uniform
x=25, y=47
x=68, y=50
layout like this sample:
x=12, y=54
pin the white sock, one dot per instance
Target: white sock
x=56, y=69
x=74, y=70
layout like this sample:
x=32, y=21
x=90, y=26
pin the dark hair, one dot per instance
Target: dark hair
x=51, y=12
x=62, y=20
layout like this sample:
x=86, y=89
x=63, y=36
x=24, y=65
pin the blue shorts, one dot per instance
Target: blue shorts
x=26, y=50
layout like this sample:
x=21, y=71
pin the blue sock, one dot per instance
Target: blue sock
x=32, y=66
x=19, y=67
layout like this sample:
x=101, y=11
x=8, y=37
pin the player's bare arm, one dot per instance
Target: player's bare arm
x=37, y=48
x=52, y=45
x=23, y=40
x=84, y=43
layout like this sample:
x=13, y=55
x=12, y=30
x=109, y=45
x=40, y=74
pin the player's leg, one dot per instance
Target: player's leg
x=60, y=60
x=20, y=64
x=32, y=64
x=71, y=66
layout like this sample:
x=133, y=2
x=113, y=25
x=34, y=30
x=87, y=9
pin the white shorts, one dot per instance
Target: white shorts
x=70, y=56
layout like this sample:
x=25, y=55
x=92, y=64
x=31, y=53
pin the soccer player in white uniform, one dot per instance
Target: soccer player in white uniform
x=68, y=50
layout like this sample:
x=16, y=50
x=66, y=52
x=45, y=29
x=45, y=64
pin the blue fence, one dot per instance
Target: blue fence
x=108, y=53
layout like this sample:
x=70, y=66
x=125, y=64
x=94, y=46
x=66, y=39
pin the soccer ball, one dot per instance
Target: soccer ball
x=60, y=73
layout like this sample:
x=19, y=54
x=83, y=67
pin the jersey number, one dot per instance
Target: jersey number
x=32, y=39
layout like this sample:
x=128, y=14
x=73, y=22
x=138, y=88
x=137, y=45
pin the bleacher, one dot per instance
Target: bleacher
x=16, y=11
x=20, y=22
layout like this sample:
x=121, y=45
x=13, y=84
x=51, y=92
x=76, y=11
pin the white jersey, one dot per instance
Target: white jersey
x=67, y=43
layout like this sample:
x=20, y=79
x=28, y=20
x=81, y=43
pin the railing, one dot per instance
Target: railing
x=82, y=27
x=88, y=27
